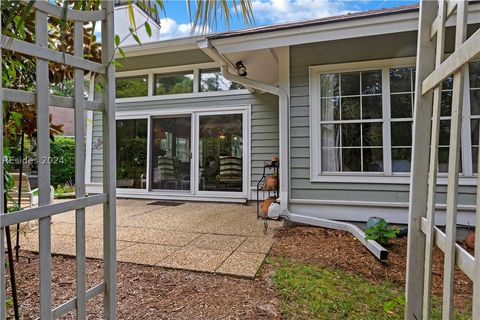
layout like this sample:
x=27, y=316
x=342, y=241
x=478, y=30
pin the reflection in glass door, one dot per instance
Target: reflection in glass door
x=220, y=152
x=170, y=160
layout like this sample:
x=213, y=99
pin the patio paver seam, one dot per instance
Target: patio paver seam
x=231, y=253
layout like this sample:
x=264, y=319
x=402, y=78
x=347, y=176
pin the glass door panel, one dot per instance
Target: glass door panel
x=131, y=147
x=171, y=145
x=220, y=153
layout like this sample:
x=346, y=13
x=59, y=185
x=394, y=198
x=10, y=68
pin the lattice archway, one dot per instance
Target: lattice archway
x=432, y=70
x=42, y=99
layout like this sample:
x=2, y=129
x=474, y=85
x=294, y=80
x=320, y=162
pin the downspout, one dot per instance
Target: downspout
x=283, y=102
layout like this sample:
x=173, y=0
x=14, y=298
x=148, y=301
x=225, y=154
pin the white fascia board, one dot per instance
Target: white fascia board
x=386, y=24
x=163, y=46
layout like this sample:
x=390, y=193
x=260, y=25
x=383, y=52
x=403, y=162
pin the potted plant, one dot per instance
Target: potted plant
x=123, y=179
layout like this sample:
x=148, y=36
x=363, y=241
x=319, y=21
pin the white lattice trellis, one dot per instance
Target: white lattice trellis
x=432, y=70
x=42, y=99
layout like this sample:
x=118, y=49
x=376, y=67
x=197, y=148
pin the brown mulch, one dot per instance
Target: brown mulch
x=152, y=292
x=156, y=293
x=339, y=249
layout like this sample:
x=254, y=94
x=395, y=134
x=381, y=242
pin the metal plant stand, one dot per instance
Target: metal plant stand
x=269, y=168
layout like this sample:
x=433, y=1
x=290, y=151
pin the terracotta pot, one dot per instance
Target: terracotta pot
x=275, y=159
x=266, y=204
x=470, y=240
x=271, y=182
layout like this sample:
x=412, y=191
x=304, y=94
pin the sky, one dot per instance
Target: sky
x=176, y=22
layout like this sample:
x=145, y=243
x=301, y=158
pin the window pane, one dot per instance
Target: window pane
x=400, y=80
x=448, y=83
x=443, y=159
x=373, y=159
x=331, y=159
x=351, y=108
x=329, y=85
x=475, y=159
x=446, y=104
x=212, y=80
x=350, y=134
x=474, y=124
x=220, y=153
x=351, y=159
x=401, y=105
x=401, y=159
x=330, y=109
x=372, y=82
x=474, y=70
x=350, y=83
x=372, y=134
x=475, y=102
x=170, y=153
x=444, y=139
x=401, y=133
x=372, y=107
x=131, y=146
x=131, y=87
x=330, y=135
x=174, y=83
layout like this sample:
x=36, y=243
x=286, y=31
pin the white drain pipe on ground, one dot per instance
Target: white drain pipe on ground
x=284, y=101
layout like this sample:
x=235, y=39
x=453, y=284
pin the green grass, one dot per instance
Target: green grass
x=316, y=292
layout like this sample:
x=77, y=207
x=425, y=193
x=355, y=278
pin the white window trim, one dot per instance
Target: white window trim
x=193, y=68
x=387, y=176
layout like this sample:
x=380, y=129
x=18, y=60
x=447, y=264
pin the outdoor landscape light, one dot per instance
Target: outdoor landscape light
x=241, y=69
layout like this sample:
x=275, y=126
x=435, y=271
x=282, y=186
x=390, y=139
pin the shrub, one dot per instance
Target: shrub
x=381, y=232
x=62, y=154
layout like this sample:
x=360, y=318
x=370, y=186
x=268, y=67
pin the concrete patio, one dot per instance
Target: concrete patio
x=209, y=237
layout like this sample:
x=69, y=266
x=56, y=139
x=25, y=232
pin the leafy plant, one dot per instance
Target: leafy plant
x=381, y=232
x=62, y=154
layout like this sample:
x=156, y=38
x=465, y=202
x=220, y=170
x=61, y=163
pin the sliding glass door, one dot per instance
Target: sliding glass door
x=200, y=153
x=220, y=152
x=171, y=153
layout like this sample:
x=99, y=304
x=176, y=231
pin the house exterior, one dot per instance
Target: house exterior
x=332, y=98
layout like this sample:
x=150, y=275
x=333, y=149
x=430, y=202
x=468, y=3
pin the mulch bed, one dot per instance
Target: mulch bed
x=152, y=292
x=155, y=293
x=341, y=250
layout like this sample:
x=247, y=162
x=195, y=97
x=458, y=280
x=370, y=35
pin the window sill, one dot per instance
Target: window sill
x=382, y=179
x=192, y=95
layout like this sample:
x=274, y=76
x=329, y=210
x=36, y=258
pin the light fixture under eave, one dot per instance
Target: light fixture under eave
x=241, y=69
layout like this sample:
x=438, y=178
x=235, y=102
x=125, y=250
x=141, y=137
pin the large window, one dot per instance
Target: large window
x=351, y=121
x=131, y=87
x=202, y=78
x=364, y=119
x=212, y=80
x=174, y=83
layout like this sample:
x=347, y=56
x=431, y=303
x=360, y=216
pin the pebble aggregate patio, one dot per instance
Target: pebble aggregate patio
x=209, y=237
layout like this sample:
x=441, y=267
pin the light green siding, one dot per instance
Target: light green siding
x=264, y=126
x=342, y=51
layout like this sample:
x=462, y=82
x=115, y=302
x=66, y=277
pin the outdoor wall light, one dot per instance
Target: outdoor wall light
x=241, y=69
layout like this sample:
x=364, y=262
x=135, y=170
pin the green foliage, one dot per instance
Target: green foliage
x=131, y=87
x=62, y=154
x=381, y=232
x=173, y=84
